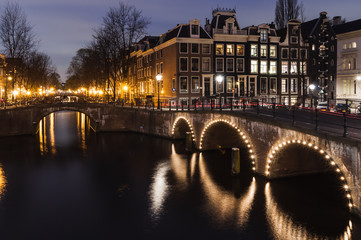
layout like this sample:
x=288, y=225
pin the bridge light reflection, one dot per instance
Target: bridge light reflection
x=322, y=152
x=284, y=226
x=3, y=182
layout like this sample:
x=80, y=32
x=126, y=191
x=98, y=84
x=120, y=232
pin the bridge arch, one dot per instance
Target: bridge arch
x=180, y=126
x=47, y=111
x=237, y=134
x=336, y=167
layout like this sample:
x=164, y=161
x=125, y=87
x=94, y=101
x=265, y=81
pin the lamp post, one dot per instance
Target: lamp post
x=125, y=88
x=219, y=80
x=159, y=78
x=312, y=87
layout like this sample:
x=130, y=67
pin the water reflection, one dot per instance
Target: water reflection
x=224, y=204
x=159, y=189
x=3, y=182
x=81, y=127
x=285, y=227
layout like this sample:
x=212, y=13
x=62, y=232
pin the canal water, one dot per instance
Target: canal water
x=69, y=183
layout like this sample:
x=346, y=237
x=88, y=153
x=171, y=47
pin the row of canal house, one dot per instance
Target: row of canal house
x=253, y=62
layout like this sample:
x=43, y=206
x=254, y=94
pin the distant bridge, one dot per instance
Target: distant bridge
x=263, y=138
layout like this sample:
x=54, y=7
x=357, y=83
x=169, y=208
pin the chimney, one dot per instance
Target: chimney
x=336, y=20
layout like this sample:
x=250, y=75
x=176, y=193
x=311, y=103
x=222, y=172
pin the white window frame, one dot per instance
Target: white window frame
x=227, y=64
x=254, y=63
x=263, y=50
x=254, y=49
x=271, y=85
x=284, y=87
x=219, y=54
x=209, y=64
x=232, y=48
x=239, y=59
x=275, y=67
x=180, y=48
x=199, y=84
x=192, y=64
x=192, y=48
x=283, y=67
x=222, y=59
x=263, y=67
x=180, y=89
x=209, y=49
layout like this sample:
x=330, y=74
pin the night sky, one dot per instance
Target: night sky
x=64, y=26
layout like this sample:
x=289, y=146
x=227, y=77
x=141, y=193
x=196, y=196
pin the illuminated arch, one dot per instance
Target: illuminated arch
x=243, y=137
x=189, y=125
x=278, y=147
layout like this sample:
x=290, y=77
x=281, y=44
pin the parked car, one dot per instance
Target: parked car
x=342, y=107
x=322, y=106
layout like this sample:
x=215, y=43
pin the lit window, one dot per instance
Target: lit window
x=354, y=45
x=273, y=67
x=219, y=49
x=263, y=50
x=293, y=85
x=229, y=80
x=230, y=49
x=254, y=52
x=322, y=50
x=293, y=67
x=303, y=67
x=273, y=51
x=263, y=66
x=284, y=85
x=240, y=50
x=344, y=46
x=254, y=66
x=284, y=67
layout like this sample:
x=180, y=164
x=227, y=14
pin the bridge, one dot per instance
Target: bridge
x=276, y=146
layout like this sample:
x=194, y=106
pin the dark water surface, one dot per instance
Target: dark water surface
x=68, y=183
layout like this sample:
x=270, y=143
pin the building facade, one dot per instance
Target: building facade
x=349, y=59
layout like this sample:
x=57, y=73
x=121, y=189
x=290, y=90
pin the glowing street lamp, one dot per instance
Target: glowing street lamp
x=219, y=79
x=125, y=89
x=159, y=78
x=312, y=87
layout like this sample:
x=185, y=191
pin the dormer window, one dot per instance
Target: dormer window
x=264, y=35
x=195, y=29
x=230, y=28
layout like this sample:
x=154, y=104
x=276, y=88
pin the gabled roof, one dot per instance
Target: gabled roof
x=308, y=28
x=219, y=21
x=347, y=27
x=182, y=31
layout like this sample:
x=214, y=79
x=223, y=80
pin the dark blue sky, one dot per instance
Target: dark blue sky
x=64, y=26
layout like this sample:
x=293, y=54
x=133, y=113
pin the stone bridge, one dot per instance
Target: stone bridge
x=274, y=149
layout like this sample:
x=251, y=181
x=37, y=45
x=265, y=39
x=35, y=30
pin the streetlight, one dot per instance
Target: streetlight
x=159, y=78
x=125, y=88
x=219, y=79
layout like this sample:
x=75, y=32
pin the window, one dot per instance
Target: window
x=273, y=67
x=263, y=50
x=303, y=67
x=254, y=66
x=263, y=34
x=183, y=64
x=293, y=85
x=284, y=53
x=313, y=47
x=294, y=40
x=206, y=49
x=195, y=48
x=240, y=50
x=230, y=49
x=195, y=85
x=183, y=48
x=157, y=68
x=161, y=67
x=303, y=54
x=219, y=86
x=206, y=64
x=264, y=67
x=219, y=64
x=293, y=67
x=183, y=84
x=230, y=65
x=332, y=48
x=273, y=51
x=195, y=65
x=254, y=52
x=284, y=85
x=263, y=85
x=240, y=65
x=294, y=53
x=229, y=81
x=230, y=28
x=219, y=49
x=354, y=45
x=195, y=29
x=161, y=53
x=344, y=46
x=273, y=86
x=284, y=69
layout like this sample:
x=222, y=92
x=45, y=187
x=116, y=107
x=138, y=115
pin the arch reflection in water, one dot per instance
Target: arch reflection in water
x=224, y=203
x=285, y=227
x=3, y=182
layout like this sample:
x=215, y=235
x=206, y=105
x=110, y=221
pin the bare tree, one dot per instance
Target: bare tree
x=16, y=34
x=286, y=10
